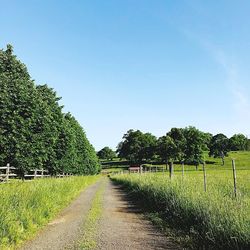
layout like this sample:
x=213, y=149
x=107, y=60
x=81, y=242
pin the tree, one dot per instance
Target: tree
x=20, y=107
x=207, y=140
x=177, y=134
x=106, y=153
x=195, y=144
x=219, y=146
x=51, y=126
x=166, y=149
x=34, y=132
x=137, y=146
x=148, y=146
x=238, y=142
x=85, y=158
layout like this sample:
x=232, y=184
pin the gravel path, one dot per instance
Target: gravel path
x=64, y=231
x=121, y=226
x=124, y=227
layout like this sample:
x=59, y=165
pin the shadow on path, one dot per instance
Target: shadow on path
x=123, y=225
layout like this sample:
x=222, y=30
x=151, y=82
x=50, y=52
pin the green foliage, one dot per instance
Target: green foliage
x=219, y=146
x=178, y=144
x=207, y=140
x=166, y=148
x=106, y=153
x=34, y=132
x=238, y=142
x=195, y=145
x=137, y=146
x=177, y=134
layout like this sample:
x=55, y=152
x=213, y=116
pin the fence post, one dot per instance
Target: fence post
x=205, y=176
x=7, y=172
x=234, y=176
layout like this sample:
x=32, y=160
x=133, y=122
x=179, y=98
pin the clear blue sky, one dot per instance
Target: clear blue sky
x=138, y=64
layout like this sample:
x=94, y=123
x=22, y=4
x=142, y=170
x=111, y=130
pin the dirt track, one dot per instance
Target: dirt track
x=121, y=226
x=64, y=231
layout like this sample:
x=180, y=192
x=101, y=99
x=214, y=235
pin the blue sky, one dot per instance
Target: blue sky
x=138, y=64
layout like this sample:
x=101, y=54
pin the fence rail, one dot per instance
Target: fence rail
x=7, y=172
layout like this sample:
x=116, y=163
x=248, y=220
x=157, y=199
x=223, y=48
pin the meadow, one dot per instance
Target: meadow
x=214, y=219
x=28, y=206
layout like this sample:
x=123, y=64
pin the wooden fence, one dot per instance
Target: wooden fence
x=148, y=169
x=7, y=172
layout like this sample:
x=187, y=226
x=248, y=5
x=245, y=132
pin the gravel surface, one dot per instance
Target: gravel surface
x=123, y=225
x=64, y=231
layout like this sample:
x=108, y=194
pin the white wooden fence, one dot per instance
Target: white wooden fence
x=7, y=172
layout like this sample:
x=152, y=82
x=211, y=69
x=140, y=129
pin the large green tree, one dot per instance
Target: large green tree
x=194, y=146
x=177, y=134
x=106, y=153
x=34, y=132
x=219, y=146
x=21, y=106
x=137, y=146
x=238, y=142
x=166, y=149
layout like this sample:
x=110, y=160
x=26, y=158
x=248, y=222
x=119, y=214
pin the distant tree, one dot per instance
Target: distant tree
x=195, y=144
x=219, y=146
x=166, y=149
x=238, y=142
x=148, y=146
x=137, y=146
x=106, y=153
x=207, y=140
x=130, y=147
x=177, y=134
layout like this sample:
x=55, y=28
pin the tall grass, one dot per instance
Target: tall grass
x=27, y=206
x=214, y=218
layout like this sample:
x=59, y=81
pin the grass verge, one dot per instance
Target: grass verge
x=213, y=219
x=28, y=206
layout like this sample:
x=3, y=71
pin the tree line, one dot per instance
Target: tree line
x=34, y=131
x=178, y=145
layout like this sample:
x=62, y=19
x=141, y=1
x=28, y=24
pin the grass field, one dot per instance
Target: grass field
x=215, y=217
x=27, y=206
